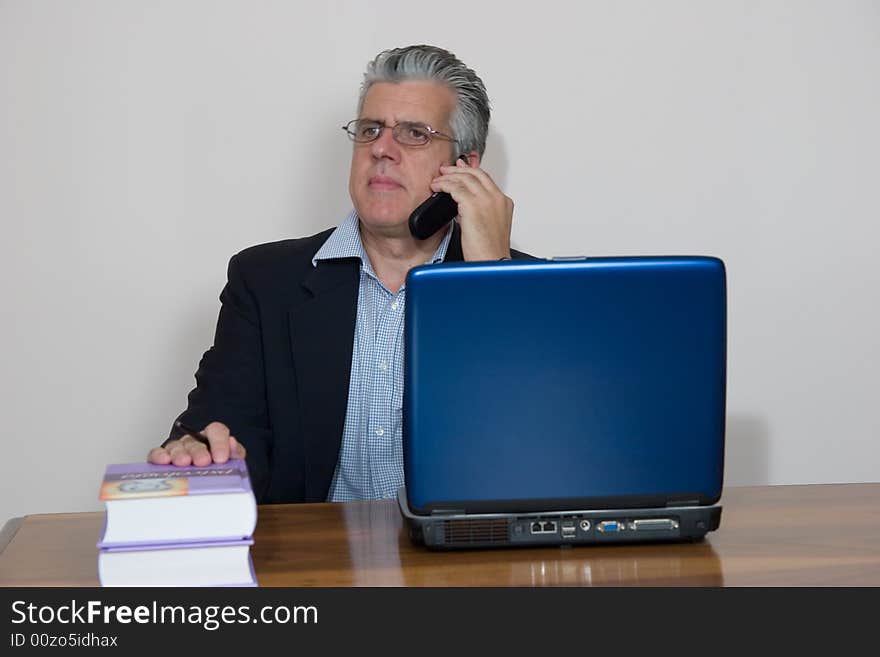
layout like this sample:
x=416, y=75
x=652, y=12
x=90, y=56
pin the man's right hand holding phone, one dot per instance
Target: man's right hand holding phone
x=485, y=213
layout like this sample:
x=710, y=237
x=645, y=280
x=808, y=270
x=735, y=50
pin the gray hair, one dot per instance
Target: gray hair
x=470, y=119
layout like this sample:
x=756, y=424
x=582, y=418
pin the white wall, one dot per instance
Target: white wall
x=142, y=144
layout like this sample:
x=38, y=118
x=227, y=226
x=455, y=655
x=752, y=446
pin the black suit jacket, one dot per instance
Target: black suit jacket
x=278, y=373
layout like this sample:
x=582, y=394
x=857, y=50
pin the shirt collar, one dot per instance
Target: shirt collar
x=345, y=242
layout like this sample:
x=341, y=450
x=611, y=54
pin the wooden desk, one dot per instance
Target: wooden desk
x=774, y=535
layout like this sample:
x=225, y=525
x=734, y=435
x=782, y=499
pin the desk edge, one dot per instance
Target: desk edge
x=9, y=530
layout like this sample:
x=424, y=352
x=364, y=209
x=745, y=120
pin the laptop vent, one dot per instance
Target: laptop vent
x=463, y=532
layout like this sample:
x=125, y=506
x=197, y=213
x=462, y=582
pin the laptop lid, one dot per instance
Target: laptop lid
x=564, y=384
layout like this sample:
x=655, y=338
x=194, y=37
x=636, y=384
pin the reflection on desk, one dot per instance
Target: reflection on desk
x=693, y=564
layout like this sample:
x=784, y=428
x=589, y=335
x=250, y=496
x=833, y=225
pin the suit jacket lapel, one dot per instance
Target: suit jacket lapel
x=322, y=334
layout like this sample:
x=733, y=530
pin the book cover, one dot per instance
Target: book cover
x=165, y=505
x=138, y=480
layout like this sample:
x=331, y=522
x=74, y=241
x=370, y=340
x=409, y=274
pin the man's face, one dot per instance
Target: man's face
x=388, y=180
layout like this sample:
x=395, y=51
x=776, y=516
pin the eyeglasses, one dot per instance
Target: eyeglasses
x=408, y=133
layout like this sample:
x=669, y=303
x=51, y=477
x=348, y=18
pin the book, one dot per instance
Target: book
x=215, y=563
x=156, y=505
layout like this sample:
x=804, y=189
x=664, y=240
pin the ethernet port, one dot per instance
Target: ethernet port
x=550, y=527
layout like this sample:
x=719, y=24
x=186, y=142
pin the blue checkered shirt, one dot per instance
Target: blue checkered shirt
x=370, y=464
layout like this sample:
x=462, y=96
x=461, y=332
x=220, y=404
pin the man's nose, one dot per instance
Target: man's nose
x=385, y=146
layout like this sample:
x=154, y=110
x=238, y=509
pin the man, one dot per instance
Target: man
x=305, y=377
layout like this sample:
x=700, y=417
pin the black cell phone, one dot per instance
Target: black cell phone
x=432, y=215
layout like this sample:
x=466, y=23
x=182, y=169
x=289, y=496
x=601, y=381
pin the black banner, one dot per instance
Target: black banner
x=229, y=621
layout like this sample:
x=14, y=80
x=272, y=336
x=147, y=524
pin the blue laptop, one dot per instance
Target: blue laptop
x=564, y=401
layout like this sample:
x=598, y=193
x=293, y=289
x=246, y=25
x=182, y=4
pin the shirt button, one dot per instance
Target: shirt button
x=380, y=431
x=394, y=305
x=383, y=365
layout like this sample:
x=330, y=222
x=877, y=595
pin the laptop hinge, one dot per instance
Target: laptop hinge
x=447, y=512
x=683, y=503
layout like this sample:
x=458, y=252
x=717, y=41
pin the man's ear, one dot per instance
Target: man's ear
x=472, y=159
